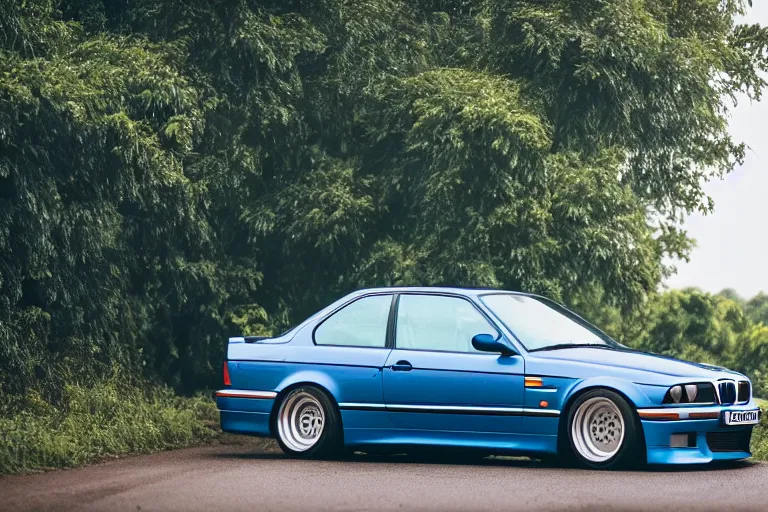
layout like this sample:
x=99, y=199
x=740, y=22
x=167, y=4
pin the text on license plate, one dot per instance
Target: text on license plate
x=741, y=417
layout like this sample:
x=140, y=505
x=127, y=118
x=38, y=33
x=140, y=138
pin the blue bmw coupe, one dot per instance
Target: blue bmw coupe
x=496, y=371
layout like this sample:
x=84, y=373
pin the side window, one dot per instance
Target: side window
x=360, y=324
x=434, y=322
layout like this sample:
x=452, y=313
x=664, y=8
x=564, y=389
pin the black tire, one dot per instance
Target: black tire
x=329, y=443
x=631, y=448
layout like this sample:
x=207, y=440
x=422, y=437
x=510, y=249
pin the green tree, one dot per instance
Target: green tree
x=751, y=356
x=756, y=308
x=175, y=172
x=691, y=325
x=693, y=322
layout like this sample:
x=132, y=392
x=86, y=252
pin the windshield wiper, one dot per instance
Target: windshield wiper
x=573, y=345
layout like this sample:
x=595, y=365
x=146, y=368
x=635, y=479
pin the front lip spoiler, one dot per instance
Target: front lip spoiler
x=690, y=413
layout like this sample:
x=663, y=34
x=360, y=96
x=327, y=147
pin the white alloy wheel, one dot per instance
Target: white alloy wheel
x=597, y=430
x=300, y=420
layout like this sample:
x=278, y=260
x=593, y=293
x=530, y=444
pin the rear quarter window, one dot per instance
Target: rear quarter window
x=362, y=323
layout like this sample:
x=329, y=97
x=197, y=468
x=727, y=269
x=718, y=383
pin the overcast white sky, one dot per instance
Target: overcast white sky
x=732, y=242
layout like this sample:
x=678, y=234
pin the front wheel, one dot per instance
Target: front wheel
x=603, y=431
x=307, y=424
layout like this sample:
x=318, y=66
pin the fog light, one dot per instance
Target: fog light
x=678, y=440
x=687, y=440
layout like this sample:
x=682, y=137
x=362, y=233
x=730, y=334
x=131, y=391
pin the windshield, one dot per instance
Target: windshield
x=541, y=325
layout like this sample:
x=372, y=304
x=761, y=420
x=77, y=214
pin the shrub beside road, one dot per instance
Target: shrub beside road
x=105, y=420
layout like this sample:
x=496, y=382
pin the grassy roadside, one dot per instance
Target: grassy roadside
x=95, y=423
x=760, y=433
x=110, y=419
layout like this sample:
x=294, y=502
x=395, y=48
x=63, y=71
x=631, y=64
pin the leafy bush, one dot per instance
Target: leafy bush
x=92, y=423
x=760, y=438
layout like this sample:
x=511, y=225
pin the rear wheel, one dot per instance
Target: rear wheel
x=307, y=424
x=603, y=431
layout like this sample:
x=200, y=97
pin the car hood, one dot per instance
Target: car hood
x=636, y=361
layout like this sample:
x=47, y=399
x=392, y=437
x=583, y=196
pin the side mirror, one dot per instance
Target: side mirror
x=487, y=343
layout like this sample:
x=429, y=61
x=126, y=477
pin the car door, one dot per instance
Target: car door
x=352, y=347
x=435, y=380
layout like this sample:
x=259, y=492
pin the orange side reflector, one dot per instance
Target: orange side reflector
x=227, y=382
x=648, y=415
x=704, y=415
x=544, y=403
x=533, y=382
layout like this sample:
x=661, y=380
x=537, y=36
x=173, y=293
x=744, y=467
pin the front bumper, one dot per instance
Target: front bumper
x=710, y=439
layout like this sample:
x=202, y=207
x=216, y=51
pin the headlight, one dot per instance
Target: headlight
x=696, y=393
x=676, y=393
x=691, y=390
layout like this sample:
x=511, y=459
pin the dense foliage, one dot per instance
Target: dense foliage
x=721, y=329
x=759, y=445
x=172, y=173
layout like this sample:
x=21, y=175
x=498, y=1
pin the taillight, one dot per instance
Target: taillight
x=227, y=382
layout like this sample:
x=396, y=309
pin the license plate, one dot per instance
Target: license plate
x=741, y=417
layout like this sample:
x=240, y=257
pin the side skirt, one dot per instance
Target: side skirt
x=452, y=409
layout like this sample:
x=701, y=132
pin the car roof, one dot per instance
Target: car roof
x=434, y=289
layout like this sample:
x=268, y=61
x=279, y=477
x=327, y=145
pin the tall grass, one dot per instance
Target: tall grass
x=93, y=423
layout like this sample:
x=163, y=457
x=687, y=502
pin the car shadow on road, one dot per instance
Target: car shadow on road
x=388, y=459
x=691, y=468
x=469, y=460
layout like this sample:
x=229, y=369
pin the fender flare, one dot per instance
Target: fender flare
x=628, y=390
x=310, y=377
x=635, y=396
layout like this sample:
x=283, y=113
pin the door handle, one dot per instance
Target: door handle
x=402, y=366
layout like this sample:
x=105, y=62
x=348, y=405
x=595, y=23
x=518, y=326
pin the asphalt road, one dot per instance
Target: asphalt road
x=256, y=477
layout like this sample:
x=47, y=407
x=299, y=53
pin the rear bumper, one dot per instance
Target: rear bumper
x=250, y=423
x=245, y=412
x=728, y=443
